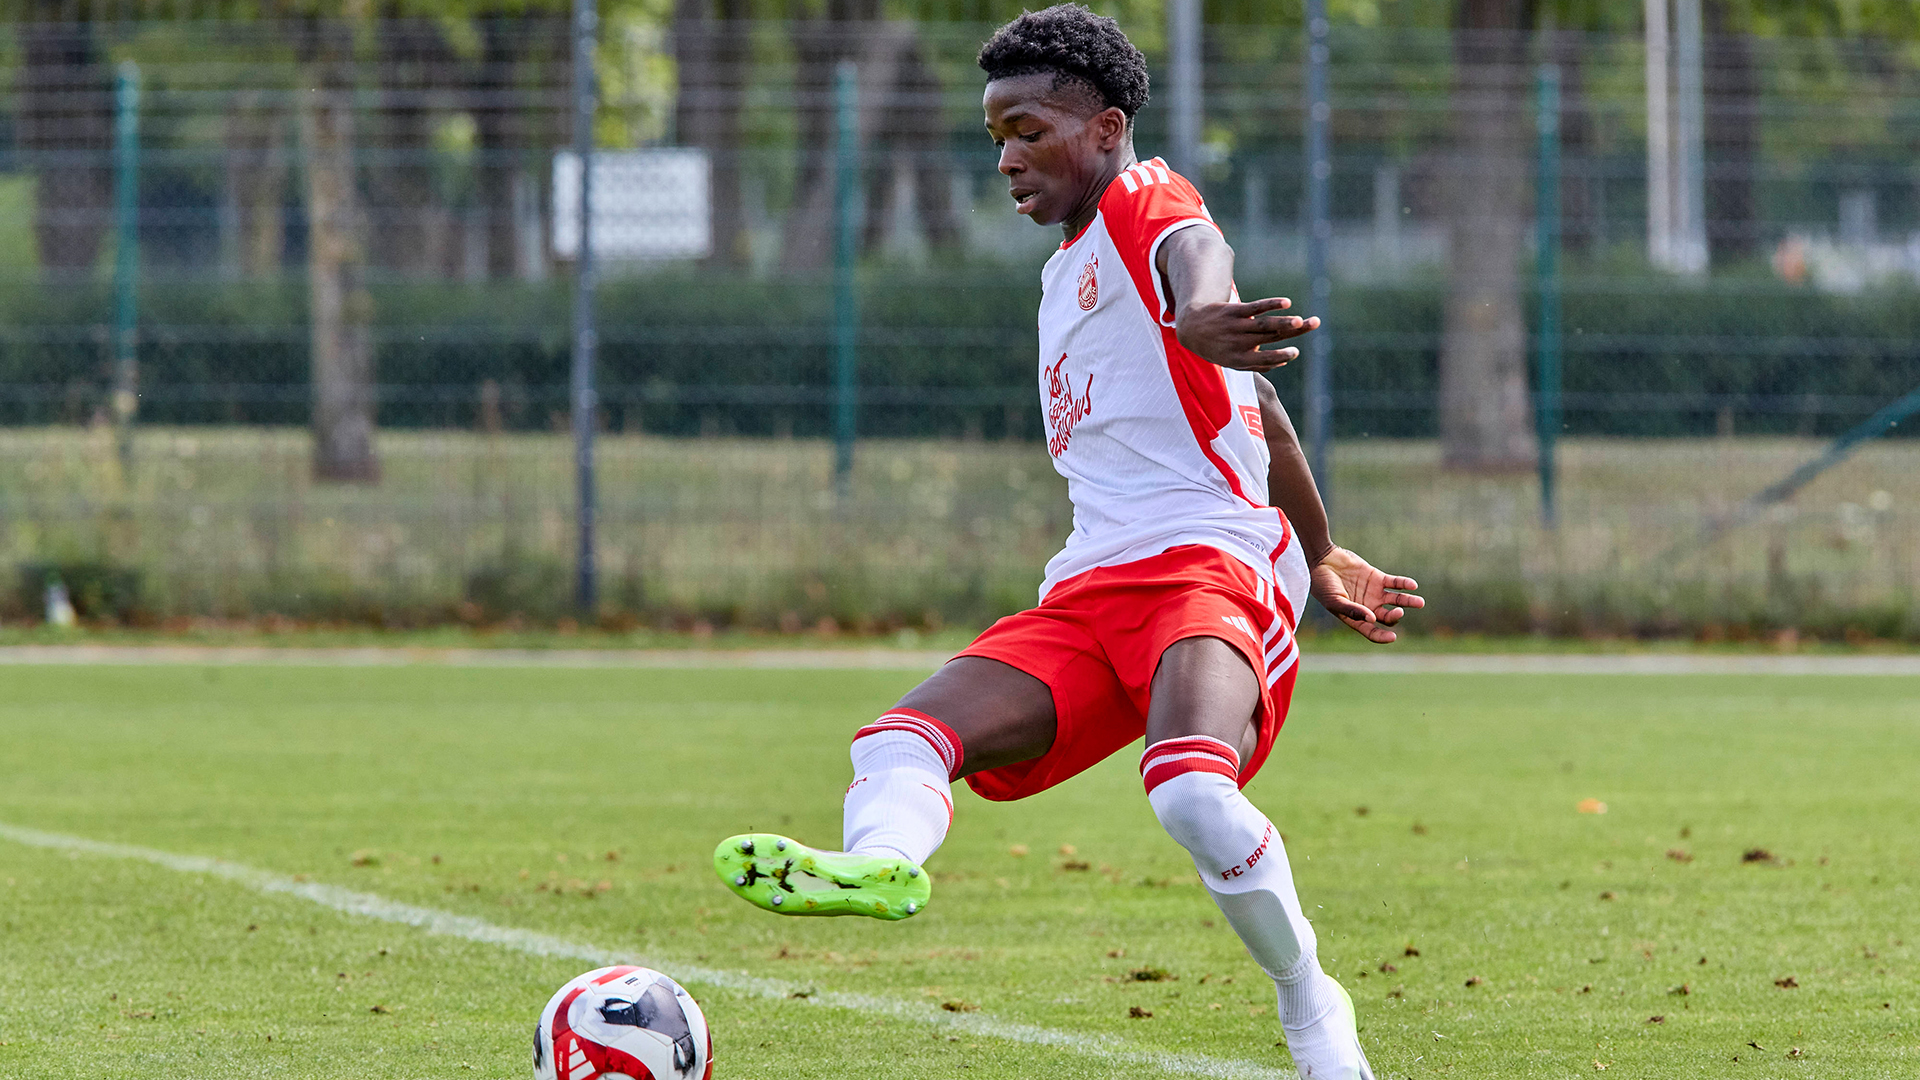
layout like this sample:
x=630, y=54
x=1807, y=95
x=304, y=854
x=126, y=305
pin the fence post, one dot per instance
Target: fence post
x=585, y=337
x=846, y=301
x=1547, y=268
x=126, y=258
x=1319, y=344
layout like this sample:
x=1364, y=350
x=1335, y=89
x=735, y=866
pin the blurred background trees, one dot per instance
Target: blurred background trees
x=349, y=152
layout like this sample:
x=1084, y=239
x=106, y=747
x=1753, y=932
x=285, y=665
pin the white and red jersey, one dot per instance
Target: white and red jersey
x=1159, y=447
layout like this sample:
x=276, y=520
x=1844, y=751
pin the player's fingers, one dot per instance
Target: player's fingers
x=1388, y=614
x=1275, y=357
x=1259, y=307
x=1346, y=609
x=1289, y=326
x=1260, y=367
x=1406, y=584
x=1373, y=632
x=1272, y=325
x=1406, y=600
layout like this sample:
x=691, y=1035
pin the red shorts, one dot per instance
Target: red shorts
x=1096, y=642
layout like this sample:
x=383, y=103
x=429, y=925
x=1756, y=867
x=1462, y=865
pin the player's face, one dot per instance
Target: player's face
x=1051, y=149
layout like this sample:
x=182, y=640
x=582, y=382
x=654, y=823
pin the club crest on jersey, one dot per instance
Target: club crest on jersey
x=1090, y=283
x=1064, y=410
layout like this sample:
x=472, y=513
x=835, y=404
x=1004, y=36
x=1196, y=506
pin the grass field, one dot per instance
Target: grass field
x=1433, y=813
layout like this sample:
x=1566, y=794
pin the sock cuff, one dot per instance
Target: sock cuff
x=938, y=735
x=1299, y=971
x=1169, y=758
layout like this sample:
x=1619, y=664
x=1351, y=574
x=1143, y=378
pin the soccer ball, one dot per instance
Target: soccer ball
x=622, y=1023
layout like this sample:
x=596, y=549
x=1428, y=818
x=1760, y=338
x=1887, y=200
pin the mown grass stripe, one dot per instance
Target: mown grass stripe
x=881, y=659
x=532, y=942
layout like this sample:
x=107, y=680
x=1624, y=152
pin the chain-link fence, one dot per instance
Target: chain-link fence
x=384, y=204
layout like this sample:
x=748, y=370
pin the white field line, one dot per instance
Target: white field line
x=534, y=943
x=1382, y=662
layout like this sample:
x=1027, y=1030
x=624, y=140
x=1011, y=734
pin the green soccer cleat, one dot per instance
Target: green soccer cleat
x=788, y=878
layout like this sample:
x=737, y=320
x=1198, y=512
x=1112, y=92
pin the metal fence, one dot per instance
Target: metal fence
x=717, y=315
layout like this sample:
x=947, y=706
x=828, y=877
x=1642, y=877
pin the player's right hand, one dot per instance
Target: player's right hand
x=1231, y=334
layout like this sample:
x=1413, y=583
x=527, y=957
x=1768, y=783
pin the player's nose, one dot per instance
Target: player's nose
x=1010, y=162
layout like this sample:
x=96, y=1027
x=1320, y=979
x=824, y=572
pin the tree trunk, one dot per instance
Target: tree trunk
x=713, y=47
x=341, y=308
x=1486, y=416
x=917, y=149
x=1580, y=208
x=66, y=113
x=412, y=231
x=888, y=55
x=497, y=138
x=256, y=180
x=1733, y=136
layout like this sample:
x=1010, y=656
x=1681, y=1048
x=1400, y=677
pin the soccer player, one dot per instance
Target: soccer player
x=1198, y=537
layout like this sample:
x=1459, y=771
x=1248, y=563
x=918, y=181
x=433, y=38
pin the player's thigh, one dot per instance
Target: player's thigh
x=1204, y=686
x=1002, y=714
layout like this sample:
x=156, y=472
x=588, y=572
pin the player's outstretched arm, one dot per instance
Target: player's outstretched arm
x=1196, y=266
x=1344, y=583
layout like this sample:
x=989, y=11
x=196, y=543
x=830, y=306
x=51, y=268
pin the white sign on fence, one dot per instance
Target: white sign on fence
x=647, y=204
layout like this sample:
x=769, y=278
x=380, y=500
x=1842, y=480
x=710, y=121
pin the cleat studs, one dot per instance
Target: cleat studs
x=913, y=871
x=912, y=907
x=778, y=899
x=746, y=847
x=780, y=845
x=741, y=880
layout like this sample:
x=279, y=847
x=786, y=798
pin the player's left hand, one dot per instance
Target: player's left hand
x=1362, y=597
x=1231, y=334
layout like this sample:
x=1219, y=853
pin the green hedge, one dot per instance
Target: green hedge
x=943, y=354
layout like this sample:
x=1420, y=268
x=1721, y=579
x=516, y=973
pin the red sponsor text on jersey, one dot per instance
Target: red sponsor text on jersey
x=1090, y=283
x=1064, y=410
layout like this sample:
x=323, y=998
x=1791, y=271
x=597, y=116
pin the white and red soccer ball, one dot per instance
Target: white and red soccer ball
x=622, y=1023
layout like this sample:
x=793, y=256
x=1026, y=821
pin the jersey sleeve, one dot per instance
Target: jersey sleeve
x=1147, y=203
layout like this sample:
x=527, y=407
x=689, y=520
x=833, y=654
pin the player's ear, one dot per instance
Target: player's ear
x=1112, y=126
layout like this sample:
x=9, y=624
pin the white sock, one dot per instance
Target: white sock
x=1192, y=785
x=899, y=801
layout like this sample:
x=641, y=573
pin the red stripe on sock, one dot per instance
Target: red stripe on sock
x=945, y=798
x=1195, y=753
x=1189, y=744
x=1165, y=770
x=942, y=738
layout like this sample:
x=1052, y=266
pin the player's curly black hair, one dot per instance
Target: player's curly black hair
x=1074, y=44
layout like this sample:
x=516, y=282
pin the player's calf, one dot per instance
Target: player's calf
x=1192, y=784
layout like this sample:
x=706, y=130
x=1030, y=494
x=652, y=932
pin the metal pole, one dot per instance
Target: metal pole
x=1689, y=136
x=585, y=339
x=846, y=302
x=126, y=258
x=1319, y=347
x=1183, y=71
x=1659, y=140
x=1547, y=266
